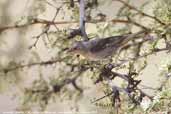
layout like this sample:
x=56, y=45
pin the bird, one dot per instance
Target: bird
x=102, y=48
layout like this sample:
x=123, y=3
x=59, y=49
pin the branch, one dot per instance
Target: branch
x=42, y=21
x=113, y=88
x=57, y=87
x=102, y=97
x=82, y=20
x=138, y=24
x=72, y=3
x=127, y=78
x=45, y=29
x=47, y=22
x=140, y=56
x=34, y=22
x=50, y=62
x=140, y=12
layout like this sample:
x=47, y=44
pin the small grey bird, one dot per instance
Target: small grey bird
x=102, y=48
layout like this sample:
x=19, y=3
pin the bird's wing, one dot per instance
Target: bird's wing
x=101, y=44
x=114, y=41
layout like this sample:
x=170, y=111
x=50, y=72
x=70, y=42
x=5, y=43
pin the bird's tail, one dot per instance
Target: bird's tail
x=132, y=36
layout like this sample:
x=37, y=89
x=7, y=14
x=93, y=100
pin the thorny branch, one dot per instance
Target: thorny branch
x=132, y=86
x=107, y=72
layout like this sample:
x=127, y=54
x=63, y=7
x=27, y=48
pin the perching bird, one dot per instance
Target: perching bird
x=102, y=48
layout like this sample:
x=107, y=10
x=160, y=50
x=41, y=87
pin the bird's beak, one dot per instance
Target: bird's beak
x=70, y=50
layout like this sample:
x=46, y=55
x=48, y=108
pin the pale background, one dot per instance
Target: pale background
x=14, y=46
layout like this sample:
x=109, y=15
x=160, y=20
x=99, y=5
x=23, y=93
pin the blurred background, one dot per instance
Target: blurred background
x=33, y=39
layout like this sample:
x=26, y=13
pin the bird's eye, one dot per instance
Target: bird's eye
x=77, y=55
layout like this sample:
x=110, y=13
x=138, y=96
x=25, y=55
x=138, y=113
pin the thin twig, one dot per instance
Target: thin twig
x=102, y=97
x=45, y=29
x=50, y=4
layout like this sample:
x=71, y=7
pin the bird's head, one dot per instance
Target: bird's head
x=77, y=47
